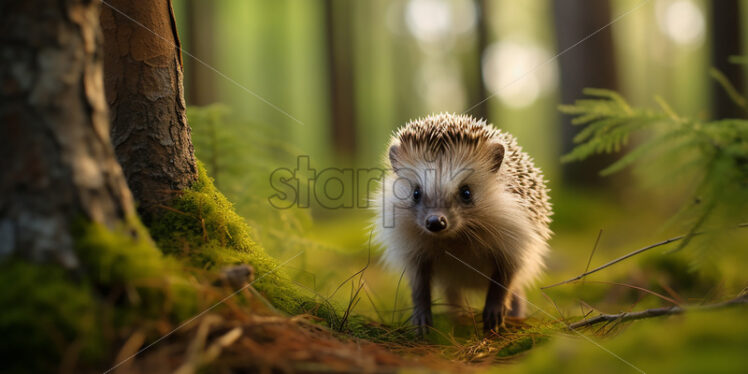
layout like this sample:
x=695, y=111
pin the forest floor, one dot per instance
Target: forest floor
x=280, y=322
x=259, y=339
x=236, y=340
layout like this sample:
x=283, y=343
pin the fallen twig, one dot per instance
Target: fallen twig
x=656, y=312
x=634, y=253
x=594, y=248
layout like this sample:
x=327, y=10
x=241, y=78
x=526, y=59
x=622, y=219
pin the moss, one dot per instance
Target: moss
x=124, y=281
x=523, y=344
x=364, y=328
x=115, y=256
x=125, y=260
x=45, y=315
x=202, y=226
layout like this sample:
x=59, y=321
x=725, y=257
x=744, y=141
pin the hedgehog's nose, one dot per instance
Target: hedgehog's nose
x=436, y=223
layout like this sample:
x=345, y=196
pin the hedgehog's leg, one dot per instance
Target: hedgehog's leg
x=420, y=284
x=518, y=304
x=495, y=308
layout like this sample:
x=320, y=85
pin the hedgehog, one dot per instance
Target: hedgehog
x=462, y=207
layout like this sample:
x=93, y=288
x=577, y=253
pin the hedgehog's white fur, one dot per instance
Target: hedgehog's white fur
x=507, y=224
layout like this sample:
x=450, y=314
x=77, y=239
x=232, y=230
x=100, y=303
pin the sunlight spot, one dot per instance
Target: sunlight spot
x=433, y=21
x=682, y=21
x=428, y=20
x=517, y=72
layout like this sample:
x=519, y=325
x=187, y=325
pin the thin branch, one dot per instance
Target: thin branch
x=563, y=319
x=594, y=248
x=657, y=312
x=634, y=253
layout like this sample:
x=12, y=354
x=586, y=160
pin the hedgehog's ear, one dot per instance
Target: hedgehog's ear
x=497, y=156
x=393, y=153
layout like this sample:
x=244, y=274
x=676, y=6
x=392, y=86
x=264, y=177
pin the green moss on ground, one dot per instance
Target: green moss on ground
x=142, y=280
x=113, y=257
x=202, y=226
x=50, y=314
x=521, y=345
x=45, y=315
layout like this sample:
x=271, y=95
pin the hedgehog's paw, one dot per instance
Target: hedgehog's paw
x=493, y=317
x=422, y=320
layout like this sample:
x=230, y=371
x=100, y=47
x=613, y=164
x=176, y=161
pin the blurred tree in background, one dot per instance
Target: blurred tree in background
x=199, y=33
x=592, y=63
x=726, y=42
x=340, y=60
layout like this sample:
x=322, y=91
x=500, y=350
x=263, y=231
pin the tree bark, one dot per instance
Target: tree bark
x=59, y=164
x=589, y=64
x=143, y=81
x=726, y=42
x=339, y=33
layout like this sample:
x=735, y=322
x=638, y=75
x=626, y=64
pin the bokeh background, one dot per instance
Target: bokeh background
x=267, y=81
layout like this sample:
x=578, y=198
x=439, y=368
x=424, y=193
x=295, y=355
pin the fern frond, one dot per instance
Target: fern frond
x=666, y=108
x=610, y=95
x=597, y=128
x=713, y=155
x=641, y=151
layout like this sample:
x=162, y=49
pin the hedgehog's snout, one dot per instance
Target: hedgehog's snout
x=436, y=223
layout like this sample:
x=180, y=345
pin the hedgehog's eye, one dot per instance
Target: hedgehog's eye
x=465, y=194
x=417, y=194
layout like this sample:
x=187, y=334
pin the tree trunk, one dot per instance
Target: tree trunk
x=589, y=64
x=143, y=82
x=59, y=165
x=339, y=35
x=725, y=43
